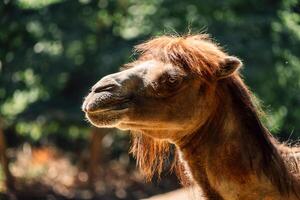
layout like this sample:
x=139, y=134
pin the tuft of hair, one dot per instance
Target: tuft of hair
x=151, y=154
x=154, y=155
x=197, y=53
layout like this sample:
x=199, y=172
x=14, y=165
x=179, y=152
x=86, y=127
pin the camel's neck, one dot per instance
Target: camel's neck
x=233, y=149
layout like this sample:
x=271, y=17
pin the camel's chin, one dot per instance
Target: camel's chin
x=109, y=119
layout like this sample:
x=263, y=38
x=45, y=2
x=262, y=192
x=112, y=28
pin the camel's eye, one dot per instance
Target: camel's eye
x=173, y=81
x=168, y=84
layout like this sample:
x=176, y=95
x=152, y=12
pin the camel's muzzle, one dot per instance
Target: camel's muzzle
x=109, y=94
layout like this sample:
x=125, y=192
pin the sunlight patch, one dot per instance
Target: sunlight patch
x=36, y=4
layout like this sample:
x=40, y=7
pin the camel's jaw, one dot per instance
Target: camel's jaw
x=105, y=110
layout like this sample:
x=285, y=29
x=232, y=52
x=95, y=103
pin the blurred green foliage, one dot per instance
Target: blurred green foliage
x=52, y=51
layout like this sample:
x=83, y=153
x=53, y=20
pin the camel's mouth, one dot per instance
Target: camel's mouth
x=96, y=106
x=103, y=112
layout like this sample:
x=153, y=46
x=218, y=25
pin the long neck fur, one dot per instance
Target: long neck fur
x=234, y=146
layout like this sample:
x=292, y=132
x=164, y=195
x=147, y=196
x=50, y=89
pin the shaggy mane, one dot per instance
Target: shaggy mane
x=196, y=53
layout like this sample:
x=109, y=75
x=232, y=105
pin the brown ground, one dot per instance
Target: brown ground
x=47, y=173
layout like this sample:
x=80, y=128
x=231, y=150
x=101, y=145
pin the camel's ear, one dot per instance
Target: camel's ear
x=228, y=67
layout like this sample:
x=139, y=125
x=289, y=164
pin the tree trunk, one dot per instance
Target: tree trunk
x=9, y=180
x=95, y=152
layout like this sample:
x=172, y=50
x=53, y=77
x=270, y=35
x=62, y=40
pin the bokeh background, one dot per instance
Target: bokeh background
x=53, y=51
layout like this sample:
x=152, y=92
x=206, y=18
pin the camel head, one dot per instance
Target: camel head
x=169, y=91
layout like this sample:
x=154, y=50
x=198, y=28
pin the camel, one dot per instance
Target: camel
x=186, y=93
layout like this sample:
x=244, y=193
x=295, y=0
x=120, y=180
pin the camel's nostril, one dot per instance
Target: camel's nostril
x=103, y=88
